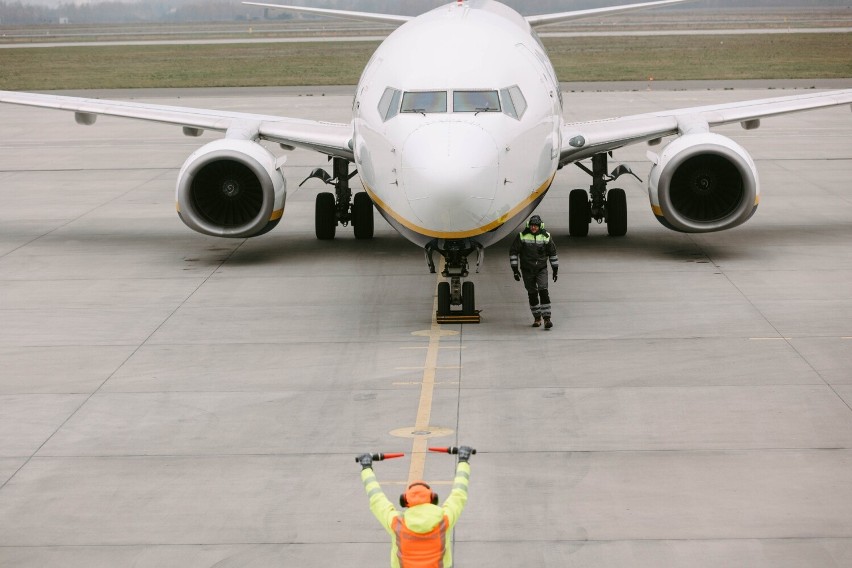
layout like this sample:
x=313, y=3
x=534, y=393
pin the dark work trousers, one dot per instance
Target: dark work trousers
x=536, y=284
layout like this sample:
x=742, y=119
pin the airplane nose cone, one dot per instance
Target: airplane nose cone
x=449, y=174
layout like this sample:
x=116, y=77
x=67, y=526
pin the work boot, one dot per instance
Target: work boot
x=547, y=323
x=537, y=322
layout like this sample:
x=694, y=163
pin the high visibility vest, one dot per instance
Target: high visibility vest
x=420, y=550
x=541, y=238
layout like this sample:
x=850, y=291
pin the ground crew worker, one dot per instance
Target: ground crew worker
x=422, y=533
x=530, y=251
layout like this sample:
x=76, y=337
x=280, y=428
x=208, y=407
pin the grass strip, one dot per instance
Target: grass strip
x=759, y=56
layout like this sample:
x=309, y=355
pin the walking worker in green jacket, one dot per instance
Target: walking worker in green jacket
x=531, y=249
x=421, y=534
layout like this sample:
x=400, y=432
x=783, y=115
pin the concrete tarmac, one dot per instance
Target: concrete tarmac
x=169, y=399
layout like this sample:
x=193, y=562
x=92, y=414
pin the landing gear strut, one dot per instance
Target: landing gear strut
x=609, y=206
x=456, y=300
x=339, y=208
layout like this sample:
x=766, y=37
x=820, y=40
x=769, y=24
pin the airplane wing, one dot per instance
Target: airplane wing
x=360, y=16
x=544, y=19
x=534, y=21
x=581, y=140
x=328, y=138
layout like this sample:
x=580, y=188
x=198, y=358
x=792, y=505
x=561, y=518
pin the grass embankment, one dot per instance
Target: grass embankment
x=766, y=56
x=783, y=56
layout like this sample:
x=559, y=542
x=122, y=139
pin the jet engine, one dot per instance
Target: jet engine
x=231, y=188
x=703, y=182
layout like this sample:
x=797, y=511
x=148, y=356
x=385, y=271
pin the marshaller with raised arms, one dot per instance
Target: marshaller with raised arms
x=457, y=133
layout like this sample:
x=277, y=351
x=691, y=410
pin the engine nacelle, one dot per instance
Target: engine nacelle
x=703, y=182
x=231, y=188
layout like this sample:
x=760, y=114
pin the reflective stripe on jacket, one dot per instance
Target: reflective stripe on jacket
x=420, y=519
x=532, y=251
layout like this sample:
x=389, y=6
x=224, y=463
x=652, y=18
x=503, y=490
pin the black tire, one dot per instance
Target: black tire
x=362, y=216
x=325, y=216
x=616, y=212
x=443, y=298
x=579, y=213
x=468, y=299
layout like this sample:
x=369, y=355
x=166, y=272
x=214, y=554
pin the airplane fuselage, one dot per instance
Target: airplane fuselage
x=457, y=124
x=457, y=132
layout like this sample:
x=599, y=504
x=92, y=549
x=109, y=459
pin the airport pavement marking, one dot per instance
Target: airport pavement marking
x=439, y=347
x=422, y=431
x=782, y=338
x=419, y=368
x=411, y=383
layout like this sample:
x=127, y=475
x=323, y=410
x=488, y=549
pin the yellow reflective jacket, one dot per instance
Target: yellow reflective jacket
x=420, y=519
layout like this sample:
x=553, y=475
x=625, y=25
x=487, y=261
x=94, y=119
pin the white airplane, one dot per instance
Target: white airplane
x=457, y=133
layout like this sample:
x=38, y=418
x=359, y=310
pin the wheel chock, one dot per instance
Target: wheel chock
x=458, y=317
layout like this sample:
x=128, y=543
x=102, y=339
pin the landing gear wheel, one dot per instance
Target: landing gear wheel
x=468, y=299
x=616, y=213
x=325, y=216
x=579, y=213
x=362, y=216
x=443, y=298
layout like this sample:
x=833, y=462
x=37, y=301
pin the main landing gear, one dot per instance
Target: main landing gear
x=456, y=300
x=339, y=207
x=609, y=206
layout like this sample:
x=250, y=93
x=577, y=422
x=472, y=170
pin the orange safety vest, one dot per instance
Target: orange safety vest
x=420, y=550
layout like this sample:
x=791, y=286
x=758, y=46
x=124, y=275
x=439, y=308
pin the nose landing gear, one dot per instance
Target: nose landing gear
x=456, y=300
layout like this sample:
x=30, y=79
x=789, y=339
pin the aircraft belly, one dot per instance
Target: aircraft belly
x=511, y=213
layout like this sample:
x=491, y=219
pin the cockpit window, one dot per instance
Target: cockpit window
x=510, y=101
x=424, y=101
x=514, y=103
x=508, y=105
x=476, y=101
x=389, y=103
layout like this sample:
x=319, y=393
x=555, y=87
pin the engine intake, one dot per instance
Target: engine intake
x=231, y=188
x=702, y=183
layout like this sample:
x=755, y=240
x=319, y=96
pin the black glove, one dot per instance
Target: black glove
x=517, y=275
x=366, y=461
x=464, y=453
x=555, y=272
